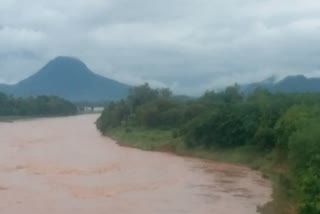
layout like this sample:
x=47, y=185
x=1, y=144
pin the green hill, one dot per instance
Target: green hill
x=71, y=79
x=290, y=84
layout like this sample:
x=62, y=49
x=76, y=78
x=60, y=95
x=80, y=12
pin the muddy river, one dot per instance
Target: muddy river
x=64, y=166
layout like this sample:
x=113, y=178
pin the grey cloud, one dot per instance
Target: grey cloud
x=187, y=45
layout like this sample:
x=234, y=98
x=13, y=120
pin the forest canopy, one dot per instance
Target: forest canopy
x=283, y=126
x=35, y=106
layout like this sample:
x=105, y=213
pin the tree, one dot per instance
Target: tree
x=232, y=94
x=165, y=92
x=304, y=160
x=35, y=106
x=289, y=123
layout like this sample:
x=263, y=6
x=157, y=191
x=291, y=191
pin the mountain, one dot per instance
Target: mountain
x=268, y=83
x=71, y=79
x=290, y=84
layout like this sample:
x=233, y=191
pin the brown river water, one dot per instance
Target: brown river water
x=64, y=166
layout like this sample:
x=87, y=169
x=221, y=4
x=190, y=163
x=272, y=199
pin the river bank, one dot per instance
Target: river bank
x=11, y=119
x=165, y=141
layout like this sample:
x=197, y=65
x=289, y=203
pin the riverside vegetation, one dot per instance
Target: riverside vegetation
x=277, y=134
x=11, y=107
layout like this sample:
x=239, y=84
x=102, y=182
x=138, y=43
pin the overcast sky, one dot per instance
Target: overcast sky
x=187, y=45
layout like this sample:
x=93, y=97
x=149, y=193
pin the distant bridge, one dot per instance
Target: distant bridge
x=90, y=109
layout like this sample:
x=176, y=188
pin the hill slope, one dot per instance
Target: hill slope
x=290, y=84
x=71, y=79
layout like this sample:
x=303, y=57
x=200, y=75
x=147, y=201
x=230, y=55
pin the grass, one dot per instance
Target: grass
x=163, y=140
x=149, y=140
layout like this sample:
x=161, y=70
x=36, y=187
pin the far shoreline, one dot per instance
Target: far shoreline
x=12, y=119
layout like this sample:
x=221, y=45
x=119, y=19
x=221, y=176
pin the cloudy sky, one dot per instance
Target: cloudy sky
x=187, y=45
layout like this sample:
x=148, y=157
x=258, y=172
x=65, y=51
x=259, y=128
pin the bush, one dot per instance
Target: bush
x=304, y=160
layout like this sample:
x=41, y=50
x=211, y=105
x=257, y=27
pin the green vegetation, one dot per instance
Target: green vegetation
x=275, y=133
x=11, y=107
x=162, y=140
x=145, y=139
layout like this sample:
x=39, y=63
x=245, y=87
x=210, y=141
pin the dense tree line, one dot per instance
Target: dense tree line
x=284, y=125
x=35, y=106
